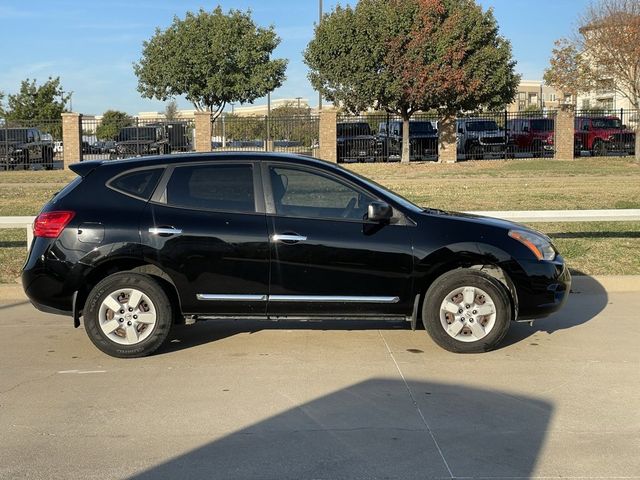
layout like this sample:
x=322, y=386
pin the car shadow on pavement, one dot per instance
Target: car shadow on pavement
x=587, y=299
x=183, y=337
x=379, y=428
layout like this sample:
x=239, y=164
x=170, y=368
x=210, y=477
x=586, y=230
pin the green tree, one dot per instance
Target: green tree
x=171, y=111
x=35, y=102
x=293, y=123
x=405, y=56
x=211, y=58
x=112, y=122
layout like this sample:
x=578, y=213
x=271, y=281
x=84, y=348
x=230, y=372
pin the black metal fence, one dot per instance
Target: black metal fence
x=600, y=132
x=291, y=133
x=30, y=144
x=377, y=137
x=134, y=137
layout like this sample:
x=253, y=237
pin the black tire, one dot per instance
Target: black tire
x=476, y=152
x=537, y=149
x=599, y=149
x=25, y=161
x=447, y=283
x=143, y=283
x=47, y=159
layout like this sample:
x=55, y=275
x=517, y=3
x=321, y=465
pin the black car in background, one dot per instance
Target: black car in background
x=135, y=246
x=23, y=147
x=138, y=141
x=356, y=143
x=423, y=140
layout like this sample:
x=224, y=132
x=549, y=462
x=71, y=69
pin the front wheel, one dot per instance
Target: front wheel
x=128, y=315
x=466, y=311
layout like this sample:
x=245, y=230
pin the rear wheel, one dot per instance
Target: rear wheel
x=128, y=315
x=466, y=311
x=476, y=152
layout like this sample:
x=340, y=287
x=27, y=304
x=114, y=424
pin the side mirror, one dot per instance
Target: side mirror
x=379, y=212
x=624, y=127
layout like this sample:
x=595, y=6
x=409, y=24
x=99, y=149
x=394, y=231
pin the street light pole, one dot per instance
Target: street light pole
x=319, y=22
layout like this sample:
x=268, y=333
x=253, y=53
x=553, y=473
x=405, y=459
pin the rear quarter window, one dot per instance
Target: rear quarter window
x=139, y=183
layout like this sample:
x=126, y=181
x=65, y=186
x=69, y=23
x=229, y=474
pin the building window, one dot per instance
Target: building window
x=586, y=104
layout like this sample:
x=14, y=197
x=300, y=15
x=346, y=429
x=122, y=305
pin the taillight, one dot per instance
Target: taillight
x=51, y=224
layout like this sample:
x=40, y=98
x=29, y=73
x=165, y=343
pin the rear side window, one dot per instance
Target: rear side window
x=140, y=183
x=226, y=188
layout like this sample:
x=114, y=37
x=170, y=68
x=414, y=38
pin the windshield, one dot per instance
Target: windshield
x=606, y=123
x=13, y=135
x=482, y=126
x=131, y=134
x=353, y=129
x=542, y=125
x=394, y=197
x=420, y=128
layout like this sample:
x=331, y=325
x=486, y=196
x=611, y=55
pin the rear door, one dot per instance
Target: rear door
x=206, y=228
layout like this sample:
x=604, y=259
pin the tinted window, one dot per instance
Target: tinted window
x=301, y=193
x=482, y=126
x=542, y=125
x=140, y=183
x=353, y=129
x=227, y=188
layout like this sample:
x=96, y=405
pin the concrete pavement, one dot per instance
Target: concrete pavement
x=326, y=400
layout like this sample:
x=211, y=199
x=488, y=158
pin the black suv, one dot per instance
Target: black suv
x=135, y=246
x=423, y=140
x=137, y=141
x=356, y=143
x=22, y=147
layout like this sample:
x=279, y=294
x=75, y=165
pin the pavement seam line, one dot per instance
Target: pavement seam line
x=417, y=407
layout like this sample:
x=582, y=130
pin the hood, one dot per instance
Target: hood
x=480, y=220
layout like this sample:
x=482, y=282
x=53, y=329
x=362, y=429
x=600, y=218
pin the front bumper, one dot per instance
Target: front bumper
x=543, y=288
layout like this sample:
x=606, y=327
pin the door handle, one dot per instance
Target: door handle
x=288, y=237
x=165, y=231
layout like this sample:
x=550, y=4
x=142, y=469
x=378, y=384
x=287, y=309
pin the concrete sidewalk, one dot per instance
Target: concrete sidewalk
x=326, y=400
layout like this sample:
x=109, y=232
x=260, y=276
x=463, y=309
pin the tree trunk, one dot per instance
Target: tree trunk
x=637, y=153
x=406, y=146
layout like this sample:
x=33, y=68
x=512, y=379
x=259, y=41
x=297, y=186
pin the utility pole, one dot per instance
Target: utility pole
x=319, y=22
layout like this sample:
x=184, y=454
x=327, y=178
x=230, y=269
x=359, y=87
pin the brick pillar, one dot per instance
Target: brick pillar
x=71, y=138
x=204, y=130
x=565, y=133
x=447, y=142
x=328, y=135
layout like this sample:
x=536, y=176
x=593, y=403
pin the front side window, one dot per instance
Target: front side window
x=225, y=188
x=301, y=193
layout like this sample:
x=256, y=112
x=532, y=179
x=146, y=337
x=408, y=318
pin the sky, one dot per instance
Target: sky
x=92, y=44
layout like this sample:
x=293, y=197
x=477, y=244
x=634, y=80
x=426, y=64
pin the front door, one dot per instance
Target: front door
x=326, y=258
x=206, y=228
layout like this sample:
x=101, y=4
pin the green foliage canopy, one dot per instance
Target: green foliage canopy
x=112, y=122
x=211, y=58
x=404, y=56
x=35, y=102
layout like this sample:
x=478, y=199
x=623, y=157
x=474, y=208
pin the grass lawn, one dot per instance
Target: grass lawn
x=595, y=248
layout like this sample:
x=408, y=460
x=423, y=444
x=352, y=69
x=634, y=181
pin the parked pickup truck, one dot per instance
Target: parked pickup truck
x=23, y=147
x=356, y=143
x=137, y=141
x=423, y=140
x=602, y=134
x=532, y=135
x=478, y=137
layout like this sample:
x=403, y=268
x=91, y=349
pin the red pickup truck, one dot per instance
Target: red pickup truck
x=603, y=134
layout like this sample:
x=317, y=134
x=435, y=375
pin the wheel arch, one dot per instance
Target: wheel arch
x=455, y=260
x=103, y=270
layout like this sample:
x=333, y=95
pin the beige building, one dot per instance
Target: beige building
x=533, y=93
